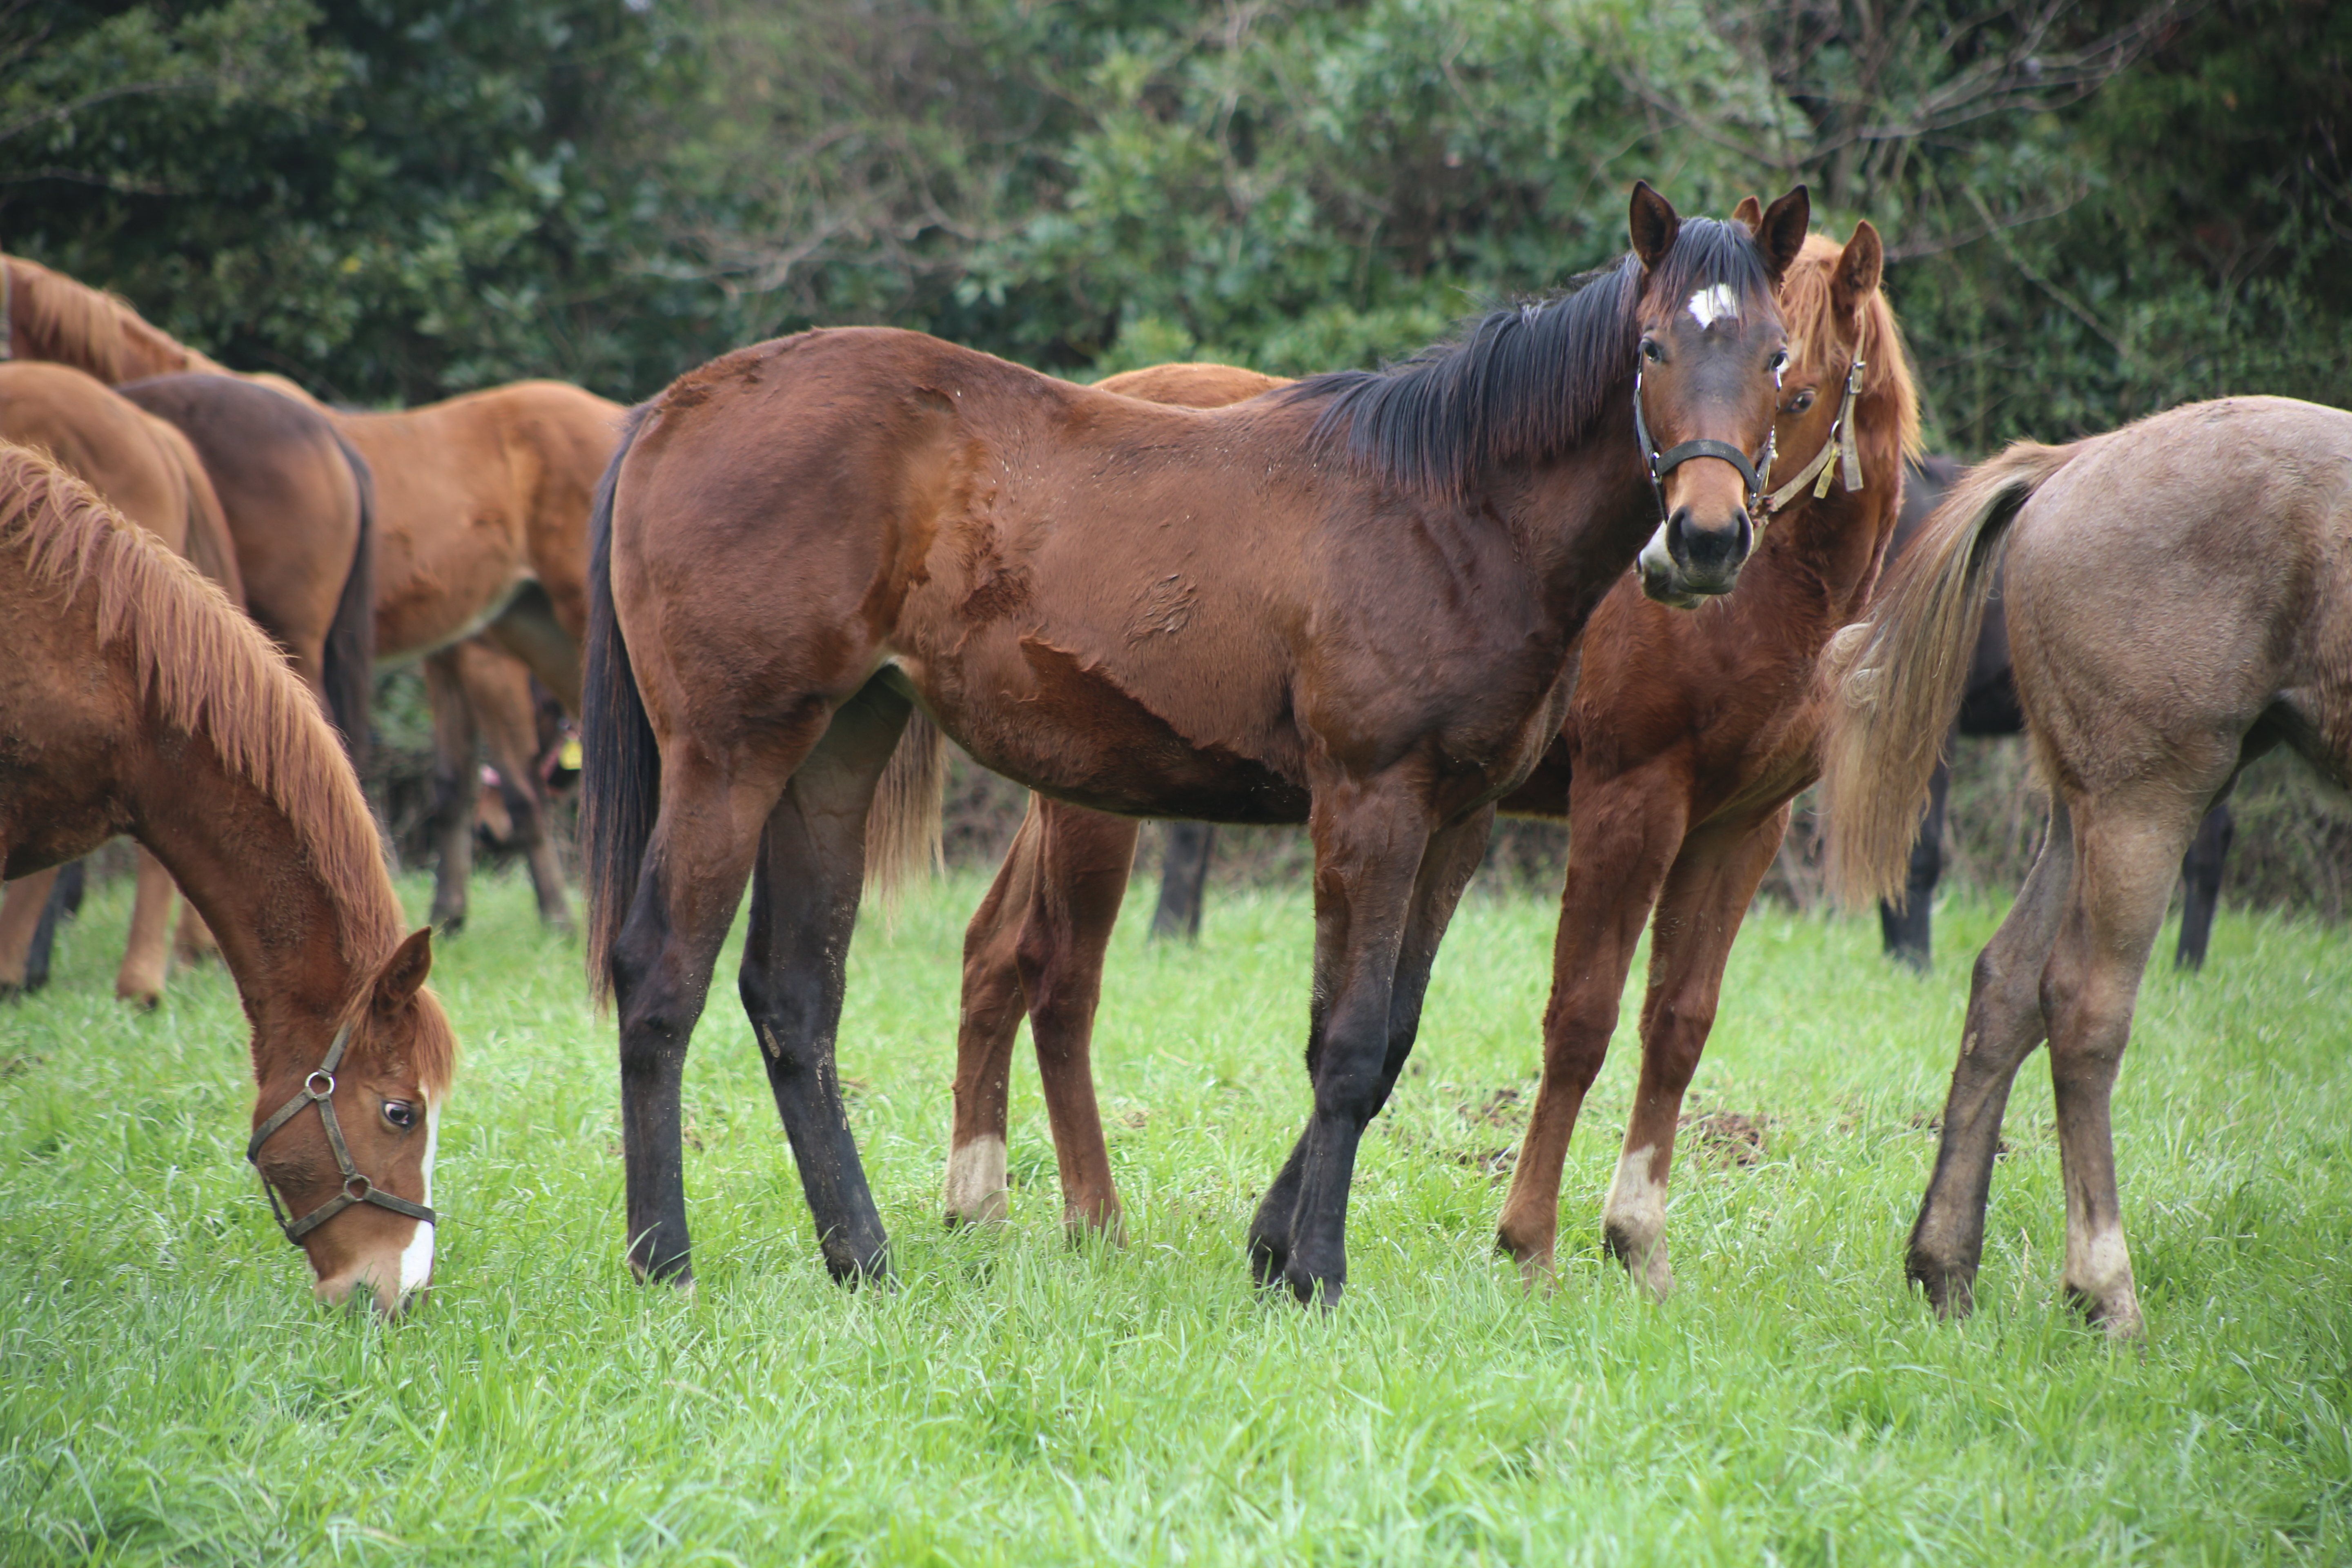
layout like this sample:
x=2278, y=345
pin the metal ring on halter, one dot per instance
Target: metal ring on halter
x=1838, y=449
x=368, y=1193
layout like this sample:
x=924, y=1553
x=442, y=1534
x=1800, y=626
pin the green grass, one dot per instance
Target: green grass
x=168, y=1393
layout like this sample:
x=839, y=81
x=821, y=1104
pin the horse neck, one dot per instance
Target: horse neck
x=295, y=943
x=1835, y=543
x=1583, y=516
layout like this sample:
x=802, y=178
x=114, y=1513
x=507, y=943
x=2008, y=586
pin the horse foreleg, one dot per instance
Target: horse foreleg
x=146, y=958
x=2201, y=872
x=1706, y=896
x=1084, y=862
x=804, y=896
x=1387, y=880
x=990, y=1021
x=20, y=915
x=2127, y=850
x=2004, y=1023
x=1908, y=932
x=498, y=691
x=1624, y=834
x=450, y=821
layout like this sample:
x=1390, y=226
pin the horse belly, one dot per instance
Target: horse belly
x=1068, y=726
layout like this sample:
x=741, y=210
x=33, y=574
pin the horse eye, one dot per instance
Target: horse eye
x=1798, y=404
x=1781, y=360
x=400, y=1114
x=1652, y=352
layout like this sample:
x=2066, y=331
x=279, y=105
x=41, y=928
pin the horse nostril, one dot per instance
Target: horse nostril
x=1708, y=553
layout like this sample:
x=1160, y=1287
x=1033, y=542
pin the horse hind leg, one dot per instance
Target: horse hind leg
x=498, y=690
x=692, y=881
x=2004, y=1023
x=21, y=912
x=449, y=823
x=146, y=959
x=63, y=903
x=987, y=1025
x=805, y=887
x=1085, y=860
x=2130, y=847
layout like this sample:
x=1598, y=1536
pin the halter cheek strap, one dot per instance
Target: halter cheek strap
x=1840, y=449
x=318, y=1089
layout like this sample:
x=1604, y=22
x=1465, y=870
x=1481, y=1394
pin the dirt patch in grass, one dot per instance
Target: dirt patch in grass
x=1727, y=1137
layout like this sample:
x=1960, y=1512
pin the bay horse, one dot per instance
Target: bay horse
x=138, y=699
x=2180, y=600
x=1687, y=737
x=1351, y=604
x=46, y=315
x=149, y=473
x=1989, y=708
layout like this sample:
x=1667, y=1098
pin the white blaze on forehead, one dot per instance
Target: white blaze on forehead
x=417, y=1257
x=1715, y=301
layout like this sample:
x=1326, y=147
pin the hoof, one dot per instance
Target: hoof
x=1651, y=1268
x=1081, y=1225
x=1318, y=1292
x=2119, y=1317
x=1269, y=1256
x=1950, y=1289
x=140, y=998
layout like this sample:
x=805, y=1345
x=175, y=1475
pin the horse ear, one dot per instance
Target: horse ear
x=1859, y=269
x=1653, y=222
x=1782, y=231
x=1751, y=212
x=403, y=974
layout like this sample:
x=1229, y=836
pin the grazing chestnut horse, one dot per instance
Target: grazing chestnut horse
x=1988, y=707
x=2180, y=600
x=136, y=699
x=152, y=475
x=1350, y=604
x=1688, y=736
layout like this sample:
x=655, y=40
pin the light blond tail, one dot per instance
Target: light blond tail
x=1896, y=677
x=903, y=826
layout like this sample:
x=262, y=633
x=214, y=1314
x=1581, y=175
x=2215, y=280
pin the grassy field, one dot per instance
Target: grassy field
x=171, y=1395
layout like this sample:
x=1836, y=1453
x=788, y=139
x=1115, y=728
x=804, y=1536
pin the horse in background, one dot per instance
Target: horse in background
x=1352, y=602
x=138, y=699
x=2179, y=602
x=1989, y=708
x=151, y=474
x=1689, y=735
x=480, y=508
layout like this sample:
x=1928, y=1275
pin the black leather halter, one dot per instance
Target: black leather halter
x=1660, y=463
x=357, y=1189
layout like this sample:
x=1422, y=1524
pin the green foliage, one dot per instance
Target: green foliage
x=173, y=1397
x=2095, y=208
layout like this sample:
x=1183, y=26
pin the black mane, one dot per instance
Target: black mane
x=1526, y=381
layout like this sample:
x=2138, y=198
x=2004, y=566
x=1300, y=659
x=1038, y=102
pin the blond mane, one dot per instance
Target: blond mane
x=208, y=671
x=1886, y=367
x=72, y=324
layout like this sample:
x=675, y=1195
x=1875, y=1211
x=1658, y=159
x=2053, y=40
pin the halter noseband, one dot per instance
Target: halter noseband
x=1840, y=449
x=357, y=1189
x=1660, y=463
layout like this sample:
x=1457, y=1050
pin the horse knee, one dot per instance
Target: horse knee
x=787, y=1012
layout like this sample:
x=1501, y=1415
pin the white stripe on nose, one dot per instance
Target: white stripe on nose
x=417, y=1257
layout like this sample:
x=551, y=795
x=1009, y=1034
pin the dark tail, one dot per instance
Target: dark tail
x=620, y=770
x=350, y=671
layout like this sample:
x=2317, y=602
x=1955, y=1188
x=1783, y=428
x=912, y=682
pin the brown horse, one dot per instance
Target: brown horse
x=1687, y=737
x=46, y=315
x=151, y=474
x=2179, y=599
x=136, y=699
x=1350, y=604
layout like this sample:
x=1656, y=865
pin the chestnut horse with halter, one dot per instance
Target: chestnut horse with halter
x=1351, y=604
x=137, y=699
x=2179, y=602
x=149, y=473
x=1688, y=736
